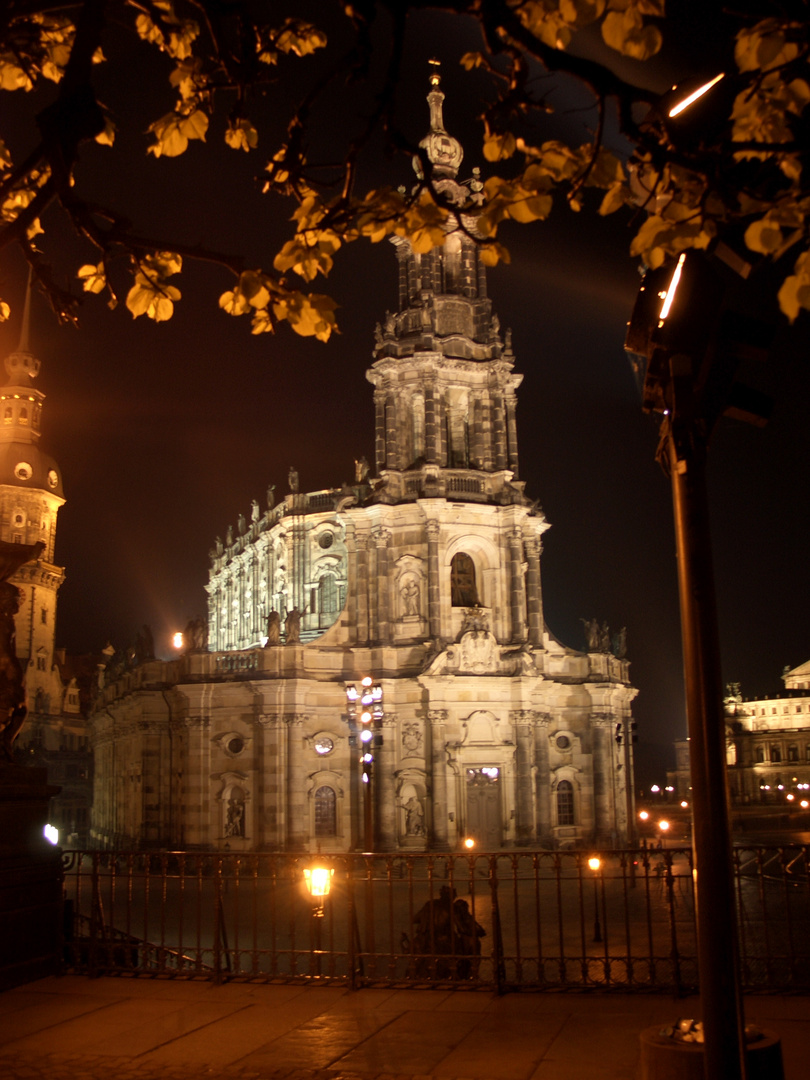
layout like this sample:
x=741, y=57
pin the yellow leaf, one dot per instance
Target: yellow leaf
x=613, y=200
x=156, y=302
x=12, y=76
x=107, y=136
x=497, y=147
x=5, y=311
x=491, y=254
x=626, y=33
x=764, y=236
x=299, y=37
x=472, y=60
x=794, y=295
x=536, y=208
x=93, y=278
x=242, y=135
x=262, y=323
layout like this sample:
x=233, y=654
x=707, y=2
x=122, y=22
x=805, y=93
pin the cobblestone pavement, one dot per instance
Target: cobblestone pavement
x=76, y=1028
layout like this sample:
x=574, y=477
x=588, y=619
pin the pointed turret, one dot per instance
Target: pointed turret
x=444, y=387
x=30, y=497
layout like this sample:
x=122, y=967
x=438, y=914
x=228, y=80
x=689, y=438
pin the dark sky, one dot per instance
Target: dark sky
x=165, y=433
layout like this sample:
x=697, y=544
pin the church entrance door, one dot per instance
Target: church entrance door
x=484, y=818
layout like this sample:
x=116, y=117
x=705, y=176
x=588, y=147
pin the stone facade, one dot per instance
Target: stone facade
x=424, y=575
x=767, y=745
x=31, y=494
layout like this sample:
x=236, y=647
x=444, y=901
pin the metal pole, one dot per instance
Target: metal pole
x=597, y=929
x=718, y=962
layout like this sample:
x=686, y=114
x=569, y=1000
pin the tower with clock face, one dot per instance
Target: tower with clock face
x=30, y=497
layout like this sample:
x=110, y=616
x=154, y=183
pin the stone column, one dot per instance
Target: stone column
x=196, y=785
x=382, y=592
x=392, y=457
x=499, y=432
x=434, y=591
x=269, y=789
x=517, y=597
x=542, y=779
x=297, y=809
x=371, y=594
x=477, y=452
x=431, y=440
x=524, y=825
x=602, y=768
x=361, y=587
x=511, y=432
x=438, y=777
x=534, y=595
x=379, y=429
x=385, y=758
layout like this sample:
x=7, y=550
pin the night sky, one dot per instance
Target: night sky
x=166, y=433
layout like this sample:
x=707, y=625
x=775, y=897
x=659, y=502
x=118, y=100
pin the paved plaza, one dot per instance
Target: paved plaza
x=77, y=1028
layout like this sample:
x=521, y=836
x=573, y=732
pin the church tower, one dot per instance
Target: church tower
x=30, y=497
x=444, y=386
x=420, y=581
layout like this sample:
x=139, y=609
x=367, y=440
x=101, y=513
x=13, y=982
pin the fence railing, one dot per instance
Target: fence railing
x=541, y=920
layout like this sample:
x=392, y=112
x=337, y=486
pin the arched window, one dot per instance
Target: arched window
x=565, y=803
x=463, y=592
x=8, y=415
x=23, y=416
x=328, y=594
x=760, y=755
x=325, y=812
x=776, y=753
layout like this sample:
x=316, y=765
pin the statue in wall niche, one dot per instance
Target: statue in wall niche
x=414, y=816
x=273, y=628
x=361, y=470
x=292, y=627
x=13, y=703
x=620, y=644
x=409, y=592
x=235, y=818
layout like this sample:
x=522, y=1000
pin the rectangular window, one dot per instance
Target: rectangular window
x=43, y=616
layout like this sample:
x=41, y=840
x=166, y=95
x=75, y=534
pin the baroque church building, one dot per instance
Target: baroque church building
x=376, y=672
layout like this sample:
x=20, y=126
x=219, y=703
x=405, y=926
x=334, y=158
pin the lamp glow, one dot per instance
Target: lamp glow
x=594, y=862
x=663, y=826
x=677, y=109
x=51, y=834
x=469, y=843
x=318, y=880
x=177, y=640
x=643, y=815
x=669, y=298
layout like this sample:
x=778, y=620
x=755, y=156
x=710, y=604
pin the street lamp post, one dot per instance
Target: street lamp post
x=365, y=711
x=594, y=863
x=684, y=346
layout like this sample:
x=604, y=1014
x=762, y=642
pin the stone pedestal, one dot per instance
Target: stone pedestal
x=663, y=1058
x=30, y=879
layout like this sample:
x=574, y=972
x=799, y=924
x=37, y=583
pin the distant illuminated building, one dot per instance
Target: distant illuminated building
x=31, y=494
x=767, y=744
x=423, y=574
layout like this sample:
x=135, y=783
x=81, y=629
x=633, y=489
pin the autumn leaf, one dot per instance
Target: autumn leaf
x=173, y=132
x=299, y=37
x=92, y=277
x=626, y=32
x=242, y=135
x=5, y=311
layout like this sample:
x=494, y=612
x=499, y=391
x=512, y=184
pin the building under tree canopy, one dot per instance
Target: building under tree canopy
x=422, y=577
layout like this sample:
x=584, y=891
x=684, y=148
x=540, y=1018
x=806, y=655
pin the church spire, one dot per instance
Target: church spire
x=22, y=367
x=444, y=387
x=443, y=151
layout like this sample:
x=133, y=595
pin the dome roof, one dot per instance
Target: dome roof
x=23, y=465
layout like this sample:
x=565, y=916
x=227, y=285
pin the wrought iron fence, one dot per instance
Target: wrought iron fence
x=536, y=920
